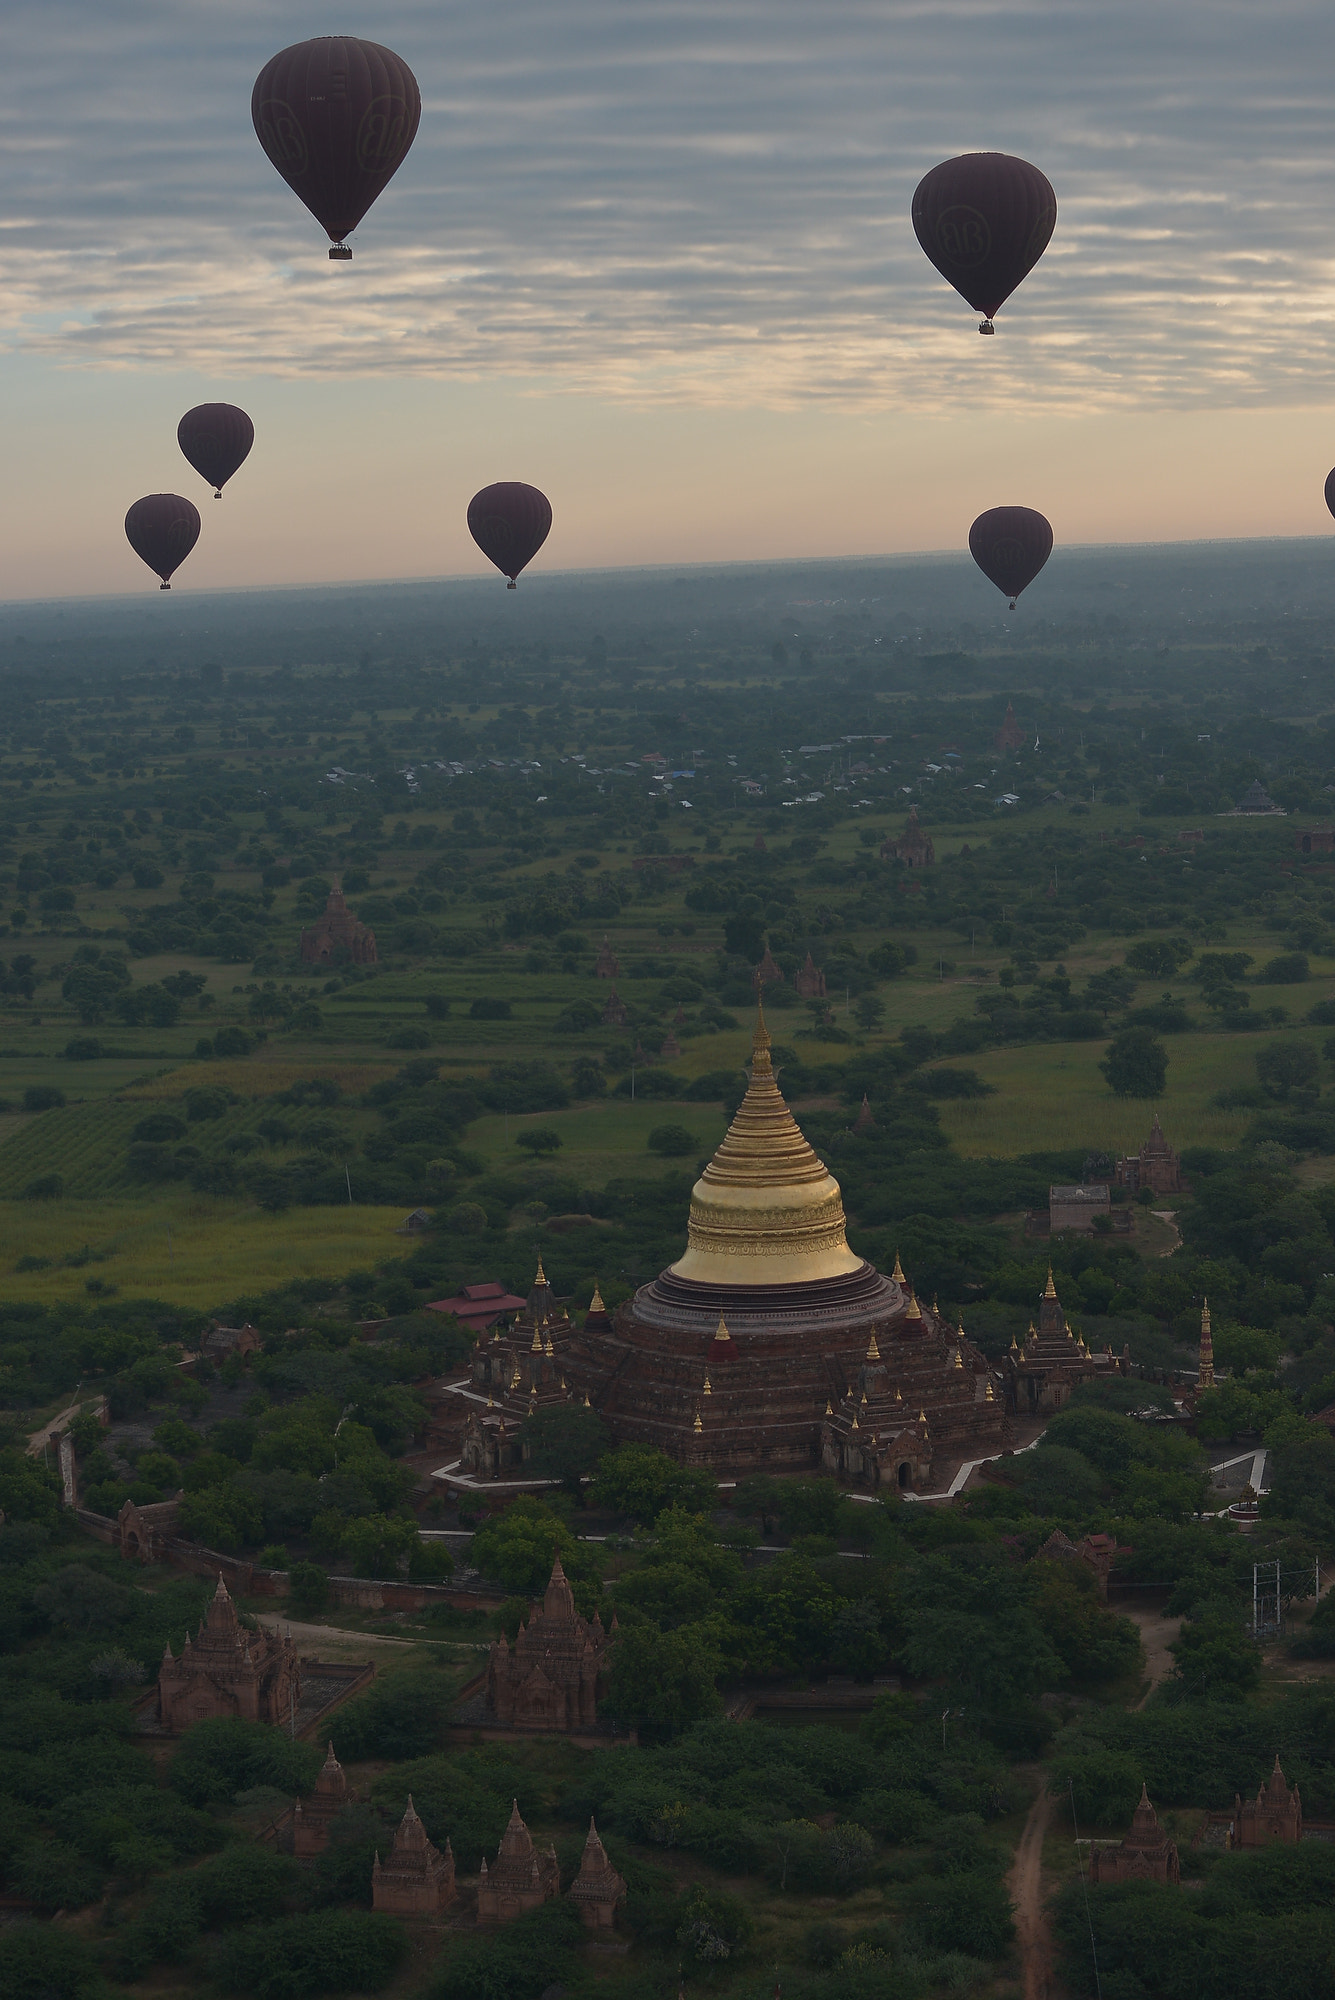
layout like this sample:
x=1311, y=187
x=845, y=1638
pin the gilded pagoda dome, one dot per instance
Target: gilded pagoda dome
x=766, y=1210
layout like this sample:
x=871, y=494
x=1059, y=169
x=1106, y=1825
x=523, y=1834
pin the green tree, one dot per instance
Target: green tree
x=518, y=1548
x=309, y=1585
x=1136, y=1064
x=380, y=1544
x=639, y=1482
x=333, y=1951
x=1158, y=958
x=539, y=1139
x=1214, y=1660
x=1284, y=1067
x=672, y=1141
x=564, y=1442
x=661, y=1680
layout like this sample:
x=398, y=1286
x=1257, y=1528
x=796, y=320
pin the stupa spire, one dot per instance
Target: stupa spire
x=766, y=1210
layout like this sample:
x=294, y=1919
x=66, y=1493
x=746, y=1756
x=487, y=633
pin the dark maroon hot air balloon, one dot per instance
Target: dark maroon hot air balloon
x=1330, y=491
x=216, y=438
x=162, y=528
x=1010, y=546
x=336, y=116
x=509, y=522
x=984, y=220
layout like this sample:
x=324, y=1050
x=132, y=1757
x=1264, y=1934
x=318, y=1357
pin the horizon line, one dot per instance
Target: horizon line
x=147, y=593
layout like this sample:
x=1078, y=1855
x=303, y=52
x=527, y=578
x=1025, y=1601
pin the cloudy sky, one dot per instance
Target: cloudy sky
x=655, y=256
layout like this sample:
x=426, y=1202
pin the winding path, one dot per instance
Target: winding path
x=1034, y=1935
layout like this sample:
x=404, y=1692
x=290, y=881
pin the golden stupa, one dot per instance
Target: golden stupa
x=765, y=1211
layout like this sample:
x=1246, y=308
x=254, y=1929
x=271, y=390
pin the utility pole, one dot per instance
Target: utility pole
x=1266, y=1620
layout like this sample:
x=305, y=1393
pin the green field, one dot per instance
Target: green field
x=187, y=1249
x=1051, y=1097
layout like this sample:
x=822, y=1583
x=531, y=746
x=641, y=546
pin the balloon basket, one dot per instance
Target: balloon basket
x=164, y=586
x=986, y=327
x=339, y=253
x=512, y=585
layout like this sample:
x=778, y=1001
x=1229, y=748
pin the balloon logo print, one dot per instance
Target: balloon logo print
x=984, y=220
x=963, y=237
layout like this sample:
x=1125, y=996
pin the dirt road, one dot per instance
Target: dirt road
x=1026, y=1887
x=1157, y=1634
x=330, y=1638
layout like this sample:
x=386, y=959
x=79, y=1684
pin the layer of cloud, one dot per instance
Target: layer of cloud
x=700, y=201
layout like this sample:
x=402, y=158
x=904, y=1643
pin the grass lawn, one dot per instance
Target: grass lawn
x=1051, y=1095
x=188, y=1249
x=604, y=1140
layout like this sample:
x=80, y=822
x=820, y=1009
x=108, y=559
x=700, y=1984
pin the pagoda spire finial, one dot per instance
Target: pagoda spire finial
x=760, y=1041
x=1050, y=1289
x=596, y=1302
x=1205, y=1376
x=541, y=1278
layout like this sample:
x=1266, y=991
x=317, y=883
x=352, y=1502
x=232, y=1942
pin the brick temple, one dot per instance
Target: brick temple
x=549, y=1678
x=519, y=1879
x=228, y=1670
x=521, y=1370
x=1156, y=1166
x=1145, y=1855
x=336, y=935
x=1038, y=1378
x=597, y=1889
x=313, y=1817
x=417, y=1879
x=913, y=847
x=769, y=1342
x=1276, y=1813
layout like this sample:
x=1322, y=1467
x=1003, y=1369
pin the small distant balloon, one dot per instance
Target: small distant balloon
x=984, y=220
x=1010, y=546
x=216, y=438
x=162, y=528
x=1330, y=491
x=336, y=116
x=510, y=522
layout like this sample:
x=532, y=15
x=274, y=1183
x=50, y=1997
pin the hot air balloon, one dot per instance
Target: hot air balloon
x=984, y=220
x=216, y=438
x=162, y=528
x=1330, y=491
x=1010, y=546
x=336, y=116
x=510, y=522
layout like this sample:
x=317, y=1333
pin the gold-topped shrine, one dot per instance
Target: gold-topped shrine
x=766, y=1210
x=755, y=1347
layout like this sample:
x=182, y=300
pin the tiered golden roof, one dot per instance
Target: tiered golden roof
x=765, y=1211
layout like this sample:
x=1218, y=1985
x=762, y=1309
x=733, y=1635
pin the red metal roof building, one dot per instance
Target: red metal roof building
x=479, y=1306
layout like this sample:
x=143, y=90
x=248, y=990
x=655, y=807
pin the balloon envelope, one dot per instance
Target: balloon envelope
x=984, y=220
x=1010, y=546
x=1330, y=491
x=162, y=528
x=509, y=522
x=216, y=438
x=336, y=117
